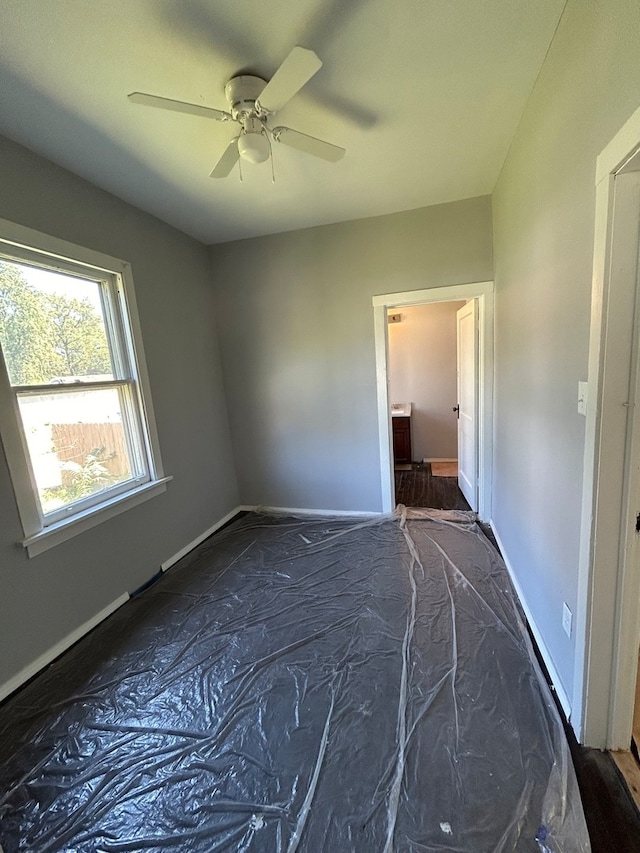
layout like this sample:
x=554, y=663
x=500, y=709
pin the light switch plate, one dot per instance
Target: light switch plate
x=583, y=393
x=567, y=618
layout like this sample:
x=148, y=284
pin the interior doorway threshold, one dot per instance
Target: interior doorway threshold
x=630, y=770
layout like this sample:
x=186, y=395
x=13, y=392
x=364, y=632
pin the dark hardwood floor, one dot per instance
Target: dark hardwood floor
x=612, y=818
x=418, y=487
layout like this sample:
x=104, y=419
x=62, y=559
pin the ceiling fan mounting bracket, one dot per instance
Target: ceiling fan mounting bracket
x=242, y=93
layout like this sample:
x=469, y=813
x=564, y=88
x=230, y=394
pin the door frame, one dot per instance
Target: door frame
x=483, y=293
x=608, y=623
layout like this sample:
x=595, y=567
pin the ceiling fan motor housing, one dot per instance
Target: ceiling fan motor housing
x=242, y=92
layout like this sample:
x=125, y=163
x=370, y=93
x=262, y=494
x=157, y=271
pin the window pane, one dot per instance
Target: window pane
x=52, y=327
x=77, y=444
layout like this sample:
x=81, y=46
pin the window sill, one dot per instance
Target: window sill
x=61, y=531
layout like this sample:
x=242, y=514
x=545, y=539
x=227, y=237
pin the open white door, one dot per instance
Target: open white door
x=467, y=324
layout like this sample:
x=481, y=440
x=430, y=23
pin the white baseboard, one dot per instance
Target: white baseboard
x=51, y=654
x=284, y=510
x=184, y=551
x=56, y=650
x=439, y=459
x=544, y=651
x=320, y=513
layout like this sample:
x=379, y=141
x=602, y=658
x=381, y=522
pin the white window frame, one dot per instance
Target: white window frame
x=24, y=245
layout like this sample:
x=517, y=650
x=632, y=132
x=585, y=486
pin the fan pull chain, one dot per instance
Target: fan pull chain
x=273, y=171
x=240, y=169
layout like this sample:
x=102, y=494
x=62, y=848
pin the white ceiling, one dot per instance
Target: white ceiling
x=425, y=95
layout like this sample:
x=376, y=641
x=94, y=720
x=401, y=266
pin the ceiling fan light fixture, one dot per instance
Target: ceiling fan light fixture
x=254, y=147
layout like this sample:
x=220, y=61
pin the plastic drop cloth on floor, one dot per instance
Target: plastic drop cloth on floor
x=299, y=685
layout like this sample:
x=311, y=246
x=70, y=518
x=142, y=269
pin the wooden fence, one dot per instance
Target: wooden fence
x=74, y=442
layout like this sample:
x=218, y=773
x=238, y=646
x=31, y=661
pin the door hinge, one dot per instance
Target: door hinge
x=638, y=523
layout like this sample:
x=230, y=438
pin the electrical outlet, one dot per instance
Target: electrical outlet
x=567, y=617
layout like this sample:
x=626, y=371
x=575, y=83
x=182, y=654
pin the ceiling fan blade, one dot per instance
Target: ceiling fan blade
x=228, y=160
x=308, y=144
x=178, y=106
x=298, y=68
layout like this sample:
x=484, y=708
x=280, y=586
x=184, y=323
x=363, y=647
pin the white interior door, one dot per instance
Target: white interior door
x=467, y=324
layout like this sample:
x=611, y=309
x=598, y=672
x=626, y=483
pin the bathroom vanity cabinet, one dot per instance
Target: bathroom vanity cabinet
x=401, y=439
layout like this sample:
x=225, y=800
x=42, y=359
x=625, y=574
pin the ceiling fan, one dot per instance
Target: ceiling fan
x=252, y=104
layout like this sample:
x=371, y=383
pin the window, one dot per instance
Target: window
x=76, y=420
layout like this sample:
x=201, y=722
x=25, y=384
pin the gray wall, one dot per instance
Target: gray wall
x=44, y=598
x=295, y=323
x=544, y=221
x=422, y=371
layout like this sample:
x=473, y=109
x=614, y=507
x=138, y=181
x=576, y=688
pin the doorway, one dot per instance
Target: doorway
x=424, y=412
x=480, y=294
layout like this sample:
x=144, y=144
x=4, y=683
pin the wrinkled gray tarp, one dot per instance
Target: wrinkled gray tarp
x=299, y=685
